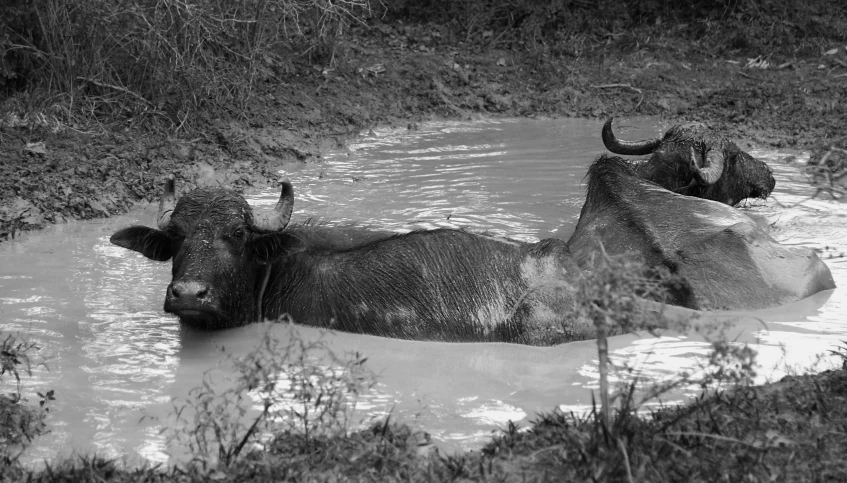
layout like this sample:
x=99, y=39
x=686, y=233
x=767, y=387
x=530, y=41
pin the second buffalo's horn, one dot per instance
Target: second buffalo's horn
x=712, y=169
x=633, y=148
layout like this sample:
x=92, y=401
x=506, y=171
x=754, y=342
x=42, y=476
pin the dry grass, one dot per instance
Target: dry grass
x=19, y=422
x=613, y=293
x=292, y=385
x=85, y=61
x=827, y=169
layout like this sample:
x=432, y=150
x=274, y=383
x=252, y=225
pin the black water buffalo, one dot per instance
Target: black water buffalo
x=231, y=267
x=729, y=262
x=694, y=160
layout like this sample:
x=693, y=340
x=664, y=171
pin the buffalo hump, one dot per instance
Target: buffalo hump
x=730, y=262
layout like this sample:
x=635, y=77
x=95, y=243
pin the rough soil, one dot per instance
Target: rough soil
x=393, y=73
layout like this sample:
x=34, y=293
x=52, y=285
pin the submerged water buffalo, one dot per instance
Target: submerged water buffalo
x=231, y=267
x=729, y=262
x=694, y=160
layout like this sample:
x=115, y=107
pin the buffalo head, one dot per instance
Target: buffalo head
x=221, y=252
x=694, y=160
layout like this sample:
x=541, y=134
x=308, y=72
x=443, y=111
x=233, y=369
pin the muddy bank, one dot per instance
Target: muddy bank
x=400, y=74
x=50, y=177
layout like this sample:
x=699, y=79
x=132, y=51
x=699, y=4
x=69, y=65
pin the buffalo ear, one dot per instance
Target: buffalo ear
x=270, y=247
x=153, y=244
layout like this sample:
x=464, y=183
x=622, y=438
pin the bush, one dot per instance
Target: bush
x=284, y=386
x=827, y=169
x=619, y=295
x=19, y=423
x=553, y=24
x=162, y=58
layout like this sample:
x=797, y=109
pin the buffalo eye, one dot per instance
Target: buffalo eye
x=237, y=235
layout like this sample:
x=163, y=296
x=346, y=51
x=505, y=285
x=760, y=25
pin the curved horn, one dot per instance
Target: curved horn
x=279, y=217
x=166, y=203
x=712, y=169
x=617, y=146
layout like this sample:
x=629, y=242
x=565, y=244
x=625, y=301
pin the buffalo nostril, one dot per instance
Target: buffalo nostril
x=189, y=290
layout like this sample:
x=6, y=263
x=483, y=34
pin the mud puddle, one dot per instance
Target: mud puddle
x=116, y=360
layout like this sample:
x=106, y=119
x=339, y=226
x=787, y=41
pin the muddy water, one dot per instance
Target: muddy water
x=116, y=360
x=510, y=178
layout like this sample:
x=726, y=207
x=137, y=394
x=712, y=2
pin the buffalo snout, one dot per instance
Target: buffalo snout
x=191, y=300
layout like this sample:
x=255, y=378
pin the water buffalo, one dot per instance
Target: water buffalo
x=729, y=262
x=694, y=160
x=231, y=267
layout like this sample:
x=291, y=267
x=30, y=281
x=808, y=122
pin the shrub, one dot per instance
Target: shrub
x=616, y=293
x=19, y=423
x=291, y=386
x=161, y=58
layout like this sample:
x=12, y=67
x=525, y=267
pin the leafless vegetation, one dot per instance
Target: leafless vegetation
x=85, y=60
x=827, y=170
x=19, y=421
x=289, y=385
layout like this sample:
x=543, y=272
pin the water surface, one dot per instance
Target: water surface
x=116, y=360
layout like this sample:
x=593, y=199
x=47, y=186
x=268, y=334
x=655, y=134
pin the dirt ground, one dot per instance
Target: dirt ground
x=398, y=74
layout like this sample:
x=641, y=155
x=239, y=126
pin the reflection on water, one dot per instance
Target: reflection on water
x=115, y=358
x=515, y=178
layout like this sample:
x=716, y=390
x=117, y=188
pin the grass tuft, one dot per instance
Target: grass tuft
x=827, y=169
x=19, y=423
x=295, y=387
x=158, y=62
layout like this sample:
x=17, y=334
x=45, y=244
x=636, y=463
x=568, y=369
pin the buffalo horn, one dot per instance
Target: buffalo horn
x=634, y=148
x=279, y=217
x=166, y=203
x=712, y=168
